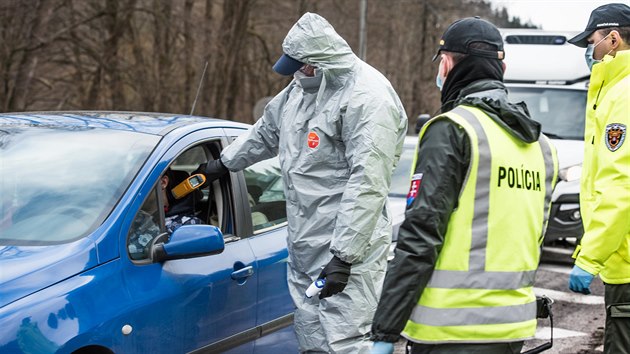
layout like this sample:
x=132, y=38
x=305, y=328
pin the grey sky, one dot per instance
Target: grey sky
x=568, y=15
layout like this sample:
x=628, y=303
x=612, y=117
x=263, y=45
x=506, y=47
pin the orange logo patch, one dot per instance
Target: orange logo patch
x=313, y=140
x=615, y=136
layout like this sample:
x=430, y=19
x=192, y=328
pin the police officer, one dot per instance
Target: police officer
x=461, y=280
x=605, y=184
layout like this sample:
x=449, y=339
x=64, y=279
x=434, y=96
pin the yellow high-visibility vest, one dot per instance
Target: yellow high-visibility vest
x=481, y=288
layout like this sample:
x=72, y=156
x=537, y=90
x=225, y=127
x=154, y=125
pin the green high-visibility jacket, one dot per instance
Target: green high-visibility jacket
x=481, y=288
x=605, y=182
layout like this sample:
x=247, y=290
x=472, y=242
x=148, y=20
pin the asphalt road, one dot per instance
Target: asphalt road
x=578, y=319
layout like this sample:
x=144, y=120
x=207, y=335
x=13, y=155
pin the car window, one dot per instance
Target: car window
x=561, y=112
x=58, y=185
x=145, y=228
x=266, y=195
x=190, y=159
x=162, y=213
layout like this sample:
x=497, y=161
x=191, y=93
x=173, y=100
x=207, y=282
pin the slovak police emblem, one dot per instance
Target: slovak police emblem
x=615, y=135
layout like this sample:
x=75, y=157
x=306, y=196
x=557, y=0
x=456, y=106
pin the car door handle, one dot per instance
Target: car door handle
x=243, y=273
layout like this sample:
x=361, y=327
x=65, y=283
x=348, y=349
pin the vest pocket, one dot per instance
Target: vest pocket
x=620, y=310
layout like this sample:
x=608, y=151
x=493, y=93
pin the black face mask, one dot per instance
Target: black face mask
x=470, y=69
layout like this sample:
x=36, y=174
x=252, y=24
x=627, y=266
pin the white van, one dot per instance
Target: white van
x=551, y=76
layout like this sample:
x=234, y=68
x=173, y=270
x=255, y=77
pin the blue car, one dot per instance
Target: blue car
x=87, y=264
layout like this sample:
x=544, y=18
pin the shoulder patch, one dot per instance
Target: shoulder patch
x=615, y=136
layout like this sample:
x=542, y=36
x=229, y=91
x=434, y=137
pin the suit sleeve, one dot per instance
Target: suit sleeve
x=443, y=159
x=261, y=140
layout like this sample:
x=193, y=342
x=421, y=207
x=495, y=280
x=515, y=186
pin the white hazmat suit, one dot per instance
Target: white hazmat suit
x=338, y=135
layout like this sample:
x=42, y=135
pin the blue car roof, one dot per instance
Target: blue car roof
x=149, y=123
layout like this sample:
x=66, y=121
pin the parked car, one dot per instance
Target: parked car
x=397, y=197
x=76, y=186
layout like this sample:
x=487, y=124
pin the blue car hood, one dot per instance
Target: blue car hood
x=27, y=269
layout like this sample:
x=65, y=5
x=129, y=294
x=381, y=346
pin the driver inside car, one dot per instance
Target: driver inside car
x=178, y=212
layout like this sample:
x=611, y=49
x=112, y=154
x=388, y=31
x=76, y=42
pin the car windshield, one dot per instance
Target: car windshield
x=58, y=185
x=561, y=112
x=402, y=173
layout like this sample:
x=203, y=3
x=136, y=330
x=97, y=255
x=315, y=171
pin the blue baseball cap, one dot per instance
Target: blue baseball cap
x=286, y=65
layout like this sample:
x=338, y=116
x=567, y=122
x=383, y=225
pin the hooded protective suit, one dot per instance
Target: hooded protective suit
x=338, y=135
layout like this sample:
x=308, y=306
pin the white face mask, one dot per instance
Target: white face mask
x=309, y=83
x=299, y=75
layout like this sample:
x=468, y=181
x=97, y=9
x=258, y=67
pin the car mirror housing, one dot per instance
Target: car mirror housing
x=422, y=120
x=570, y=173
x=189, y=241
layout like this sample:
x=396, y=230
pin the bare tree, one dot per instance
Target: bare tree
x=24, y=31
x=148, y=55
x=226, y=73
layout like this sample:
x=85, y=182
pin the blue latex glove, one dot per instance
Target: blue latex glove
x=580, y=280
x=383, y=348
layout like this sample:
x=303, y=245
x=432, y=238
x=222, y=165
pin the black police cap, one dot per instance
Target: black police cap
x=605, y=16
x=461, y=33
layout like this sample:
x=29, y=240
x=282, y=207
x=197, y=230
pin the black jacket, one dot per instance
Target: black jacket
x=443, y=159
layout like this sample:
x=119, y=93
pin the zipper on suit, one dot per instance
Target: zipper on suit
x=598, y=92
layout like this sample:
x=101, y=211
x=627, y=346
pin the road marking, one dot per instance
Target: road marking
x=545, y=333
x=570, y=297
x=555, y=268
x=559, y=250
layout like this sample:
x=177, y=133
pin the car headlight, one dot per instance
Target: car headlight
x=570, y=173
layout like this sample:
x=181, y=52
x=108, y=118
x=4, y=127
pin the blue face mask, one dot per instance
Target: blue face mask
x=590, y=49
x=438, y=81
x=590, y=61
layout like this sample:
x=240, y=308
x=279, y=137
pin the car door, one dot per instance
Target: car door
x=190, y=304
x=265, y=210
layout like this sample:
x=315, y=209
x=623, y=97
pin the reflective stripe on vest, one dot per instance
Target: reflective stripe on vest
x=481, y=319
x=474, y=315
x=545, y=147
x=479, y=279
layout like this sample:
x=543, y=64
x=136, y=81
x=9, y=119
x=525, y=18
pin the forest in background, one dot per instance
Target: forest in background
x=148, y=55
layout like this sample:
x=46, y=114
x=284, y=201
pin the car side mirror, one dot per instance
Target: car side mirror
x=189, y=241
x=422, y=120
